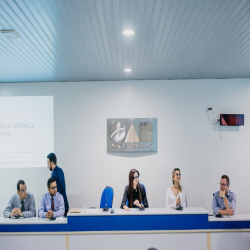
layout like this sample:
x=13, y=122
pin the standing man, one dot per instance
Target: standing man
x=52, y=203
x=21, y=204
x=224, y=201
x=58, y=175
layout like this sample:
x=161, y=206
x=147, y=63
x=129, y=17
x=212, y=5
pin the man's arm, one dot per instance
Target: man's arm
x=61, y=207
x=226, y=202
x=227, y=211
x=41, y=211
x=32, y=208
x=230, y=206
x=8, y=209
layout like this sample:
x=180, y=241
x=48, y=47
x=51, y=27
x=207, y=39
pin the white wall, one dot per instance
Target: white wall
x=185, y=139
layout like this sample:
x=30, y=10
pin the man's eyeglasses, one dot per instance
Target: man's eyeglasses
x=136, y=177
x=223, y=185
x=23, y=190
x=53, y=188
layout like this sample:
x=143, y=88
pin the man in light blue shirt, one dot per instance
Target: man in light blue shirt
x=52, y=203
x=58, y=174
x=224, y=201
x=21, y=204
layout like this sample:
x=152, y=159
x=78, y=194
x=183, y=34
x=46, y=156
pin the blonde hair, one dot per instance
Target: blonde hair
x=173, y=175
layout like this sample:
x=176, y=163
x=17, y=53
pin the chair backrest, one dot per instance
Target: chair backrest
x=141, y=197
x=143, y=186
x=110, y=196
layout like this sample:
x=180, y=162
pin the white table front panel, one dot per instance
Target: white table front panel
x=194, y=241
x=32, y=242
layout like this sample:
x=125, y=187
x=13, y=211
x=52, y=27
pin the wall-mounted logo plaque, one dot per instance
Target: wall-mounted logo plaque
x=132, y=135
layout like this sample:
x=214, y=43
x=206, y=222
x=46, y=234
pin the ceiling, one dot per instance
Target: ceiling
x=82, y=40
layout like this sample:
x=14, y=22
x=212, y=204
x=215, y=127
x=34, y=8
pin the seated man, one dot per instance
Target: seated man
x=21, y=204
x=224, y=201
x=52, y=203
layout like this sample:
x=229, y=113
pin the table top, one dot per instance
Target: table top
x=147, y=211
x=236, y=217
x=32, y=220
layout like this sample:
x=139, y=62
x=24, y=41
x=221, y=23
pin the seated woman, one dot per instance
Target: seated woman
x=135, y=193
x=176, y=194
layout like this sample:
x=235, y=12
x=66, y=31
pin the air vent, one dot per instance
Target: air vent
x=9, y=34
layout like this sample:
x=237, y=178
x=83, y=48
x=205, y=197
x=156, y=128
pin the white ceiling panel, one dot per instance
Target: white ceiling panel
x=82, y=40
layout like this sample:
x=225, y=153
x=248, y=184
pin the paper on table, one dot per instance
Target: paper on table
x=15, y=218
x=75, y=211
x=133, y=209
x=61, y=218
x=46, y=219
x=92, y=210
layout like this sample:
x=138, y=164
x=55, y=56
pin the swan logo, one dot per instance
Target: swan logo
x=132, y=135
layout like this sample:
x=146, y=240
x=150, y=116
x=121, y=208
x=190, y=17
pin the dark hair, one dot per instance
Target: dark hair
x=227, y=178
x=52, y=158
x=131, y=188
x=50, y=180
x=20, y=182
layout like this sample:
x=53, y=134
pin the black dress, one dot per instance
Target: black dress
x=135, y=197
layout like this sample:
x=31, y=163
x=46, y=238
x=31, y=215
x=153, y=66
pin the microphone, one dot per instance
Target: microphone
x=106, y=209
x=179, y=206
x=140, y=208
x=218, y=215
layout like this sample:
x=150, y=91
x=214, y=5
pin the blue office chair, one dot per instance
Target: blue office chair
x=110, y=196
x=141, y=201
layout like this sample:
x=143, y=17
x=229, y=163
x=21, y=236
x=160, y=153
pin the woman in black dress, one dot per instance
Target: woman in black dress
x=135, y=192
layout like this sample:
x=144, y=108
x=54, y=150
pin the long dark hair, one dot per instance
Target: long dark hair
x=131, y=188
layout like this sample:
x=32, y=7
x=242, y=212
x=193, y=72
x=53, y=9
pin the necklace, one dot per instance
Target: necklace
x=176, y=189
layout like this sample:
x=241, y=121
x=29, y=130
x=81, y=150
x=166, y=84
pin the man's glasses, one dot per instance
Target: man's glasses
x=223, y=185
x=136, y=177
x=23, y=190
x=53, y=188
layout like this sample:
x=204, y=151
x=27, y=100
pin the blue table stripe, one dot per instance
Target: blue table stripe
x=138, y=222
x=229, y=224
x=34, y=228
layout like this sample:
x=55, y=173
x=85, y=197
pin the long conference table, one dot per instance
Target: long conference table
x=160, y=228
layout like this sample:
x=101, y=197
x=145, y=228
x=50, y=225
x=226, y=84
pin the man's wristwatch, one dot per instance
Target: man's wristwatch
x=223, y=196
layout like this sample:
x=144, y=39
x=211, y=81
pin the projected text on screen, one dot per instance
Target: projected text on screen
x=26, y=131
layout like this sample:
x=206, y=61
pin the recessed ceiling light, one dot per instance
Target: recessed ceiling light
x=127, y=70
x=128, y=32
x=9, y=34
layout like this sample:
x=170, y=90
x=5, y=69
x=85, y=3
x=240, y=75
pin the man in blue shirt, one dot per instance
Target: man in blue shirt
x=224, y=201
x=52, y=203
x=21, y=204
x=57, y=173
